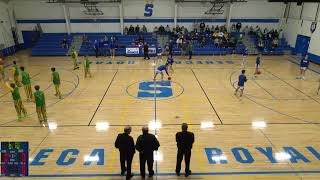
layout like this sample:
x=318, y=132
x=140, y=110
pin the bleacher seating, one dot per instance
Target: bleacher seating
x=122, y=42
x=282, y=46
x=50, y=45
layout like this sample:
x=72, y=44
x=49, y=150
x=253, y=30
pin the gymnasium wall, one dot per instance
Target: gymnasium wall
x=51, y=16
x=294, y=26
x=5, y=27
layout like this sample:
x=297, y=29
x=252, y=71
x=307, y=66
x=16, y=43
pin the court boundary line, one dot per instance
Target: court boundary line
x=104, y=95
x=174, y=174
x=214, y=109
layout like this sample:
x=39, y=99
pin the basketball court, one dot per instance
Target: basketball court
x=272, y=132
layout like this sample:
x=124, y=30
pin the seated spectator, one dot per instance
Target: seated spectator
x=126, y=30
x=246, y=30
x=144, y=29
x=207, y=29
x=217, y=29
x=233, y=28
x=212, y=29
x=137, y=29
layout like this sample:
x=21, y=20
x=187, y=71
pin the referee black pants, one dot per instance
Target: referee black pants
x=187, y=156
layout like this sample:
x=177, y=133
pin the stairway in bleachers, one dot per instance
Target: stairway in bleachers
x=252, y=49
x=50, y=44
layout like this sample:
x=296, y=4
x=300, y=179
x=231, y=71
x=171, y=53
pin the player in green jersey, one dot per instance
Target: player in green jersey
x=26, y=81
x=86, y=67
x=74, y=56
x=17, y=100
x=16, y=74
x=56, y=82
x=39, y=99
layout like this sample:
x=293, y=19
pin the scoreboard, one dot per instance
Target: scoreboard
x=14, y=159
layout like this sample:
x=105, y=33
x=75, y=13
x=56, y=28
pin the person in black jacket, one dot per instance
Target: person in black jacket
x=185, y=141
x=146, y=51
x=125, y=144
x=146, y=144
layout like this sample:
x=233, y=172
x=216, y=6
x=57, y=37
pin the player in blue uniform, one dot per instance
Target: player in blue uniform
x=244, y=57
x=304, y=64
x=242, y=80
x=160, y=70
x=258, y=65
x=170, y=62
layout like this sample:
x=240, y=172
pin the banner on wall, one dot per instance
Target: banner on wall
x=132, y=51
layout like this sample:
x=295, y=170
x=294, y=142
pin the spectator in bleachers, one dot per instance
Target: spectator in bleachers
x=65, y=43
x=233, y=28
x=131, y=30
x=190, y=50
x=167, y=29
x=155, y=29
x=161, y=30
x=217, y=29
x=126, y=30
x=96, y=47
x=238, y=26
x=179, y=42
x=212, y=29
x=202, y=26
x=84, y=39
x=207, y=29
x=137, y=29
x=101, y=48
x=246, y=30
x=144, y=29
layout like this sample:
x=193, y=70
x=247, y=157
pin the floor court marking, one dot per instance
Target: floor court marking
x=67, y=95
x=293, y=87
x=267, y=107
x=193, y=174
x=214, y=109
x=105, y=93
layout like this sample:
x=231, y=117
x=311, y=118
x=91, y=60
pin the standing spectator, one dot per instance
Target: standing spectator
x=146, y=144
x=125, y=144
x=184, y=141
x=131, y=30
x=146, y=51
x=144, y=29
x=112, y=46
x=238, y=26
x=96, y=48
x=126, y=30
x=65, y=43
x=137, y=30
x=101, y=47
x=202, y=26
x=190, y=50
x=207, y=30
x=155, y=29
x=161, y=30
x=167, y=29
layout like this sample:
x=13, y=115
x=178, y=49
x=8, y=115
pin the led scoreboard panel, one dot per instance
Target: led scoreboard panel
x=14, y=159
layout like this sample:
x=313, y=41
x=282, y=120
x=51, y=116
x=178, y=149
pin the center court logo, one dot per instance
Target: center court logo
x=148, y=90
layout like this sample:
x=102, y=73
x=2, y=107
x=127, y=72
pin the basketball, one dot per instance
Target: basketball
x=169, y=78
x=259, y=72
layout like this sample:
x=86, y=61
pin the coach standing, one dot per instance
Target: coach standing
x=185, y=141
x=125, y=144
x=146, y=144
